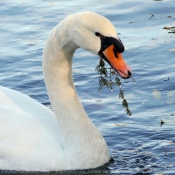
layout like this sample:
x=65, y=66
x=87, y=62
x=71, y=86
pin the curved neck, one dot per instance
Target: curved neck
x=57, y=68
x=76, y=130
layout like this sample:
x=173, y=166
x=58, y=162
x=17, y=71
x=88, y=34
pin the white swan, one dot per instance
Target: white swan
x=32, y=137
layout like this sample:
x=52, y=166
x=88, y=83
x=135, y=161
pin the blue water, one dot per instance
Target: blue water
x=138, y=144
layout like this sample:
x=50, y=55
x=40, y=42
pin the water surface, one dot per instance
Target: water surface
x=138, y=144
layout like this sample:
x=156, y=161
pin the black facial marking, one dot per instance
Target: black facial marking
x=108, y=41
x=103, y=56
x=115, y=52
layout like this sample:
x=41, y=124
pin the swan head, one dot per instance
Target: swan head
x=98, y=35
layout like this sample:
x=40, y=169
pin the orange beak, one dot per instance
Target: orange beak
x=117, y=62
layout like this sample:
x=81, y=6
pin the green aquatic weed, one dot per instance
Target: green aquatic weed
x=108, y=78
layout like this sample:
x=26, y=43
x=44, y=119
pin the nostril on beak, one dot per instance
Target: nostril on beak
x=129, y=73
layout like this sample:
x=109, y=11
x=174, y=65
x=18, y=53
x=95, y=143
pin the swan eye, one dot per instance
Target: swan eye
x=97, y=34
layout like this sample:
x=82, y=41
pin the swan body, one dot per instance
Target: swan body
x=32, y=137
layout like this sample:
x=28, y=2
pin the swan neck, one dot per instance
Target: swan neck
x=76, y=130
x=57, y=68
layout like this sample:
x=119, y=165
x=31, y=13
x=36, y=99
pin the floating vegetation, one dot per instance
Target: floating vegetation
x=161, y=122
x=151, y=16
x=156, y=94
x=111, y=80
x=117, y=124
x=172, y=29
